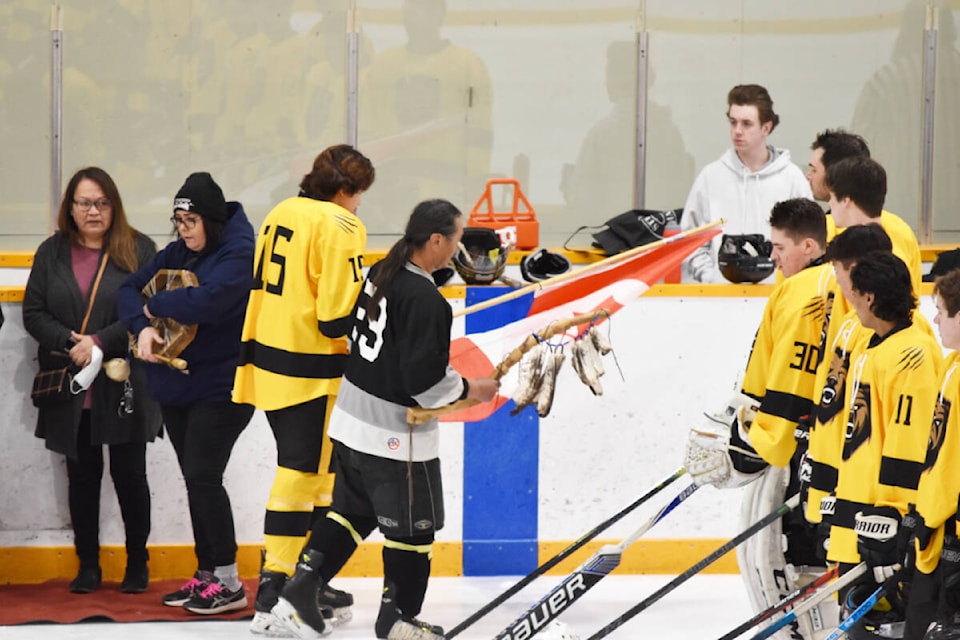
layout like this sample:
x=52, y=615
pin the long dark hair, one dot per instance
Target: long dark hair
x=120, y=240
x=428, y=217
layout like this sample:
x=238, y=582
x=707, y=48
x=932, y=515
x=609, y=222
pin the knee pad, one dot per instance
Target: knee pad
x=293, y=490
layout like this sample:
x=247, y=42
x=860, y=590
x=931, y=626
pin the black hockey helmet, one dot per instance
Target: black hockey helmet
x=541, y=264
x=745, y=258
x=485, y=259
x=884, y=620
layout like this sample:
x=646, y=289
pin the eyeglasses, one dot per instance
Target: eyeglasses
x=188, y=223
x=85, y=205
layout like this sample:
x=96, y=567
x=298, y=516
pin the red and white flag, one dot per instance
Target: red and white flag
x=491, y=333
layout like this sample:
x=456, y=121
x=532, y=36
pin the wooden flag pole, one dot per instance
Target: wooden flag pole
x=419, y=415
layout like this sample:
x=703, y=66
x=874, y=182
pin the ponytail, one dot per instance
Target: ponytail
x=428, y=217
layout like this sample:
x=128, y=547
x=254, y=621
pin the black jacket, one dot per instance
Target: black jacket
x=52, y=307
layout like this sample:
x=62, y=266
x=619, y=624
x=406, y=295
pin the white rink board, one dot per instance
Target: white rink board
x=680, y=357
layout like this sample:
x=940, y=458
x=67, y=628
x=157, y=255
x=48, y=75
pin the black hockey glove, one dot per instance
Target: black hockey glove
x=877, y=532
x=912, y=528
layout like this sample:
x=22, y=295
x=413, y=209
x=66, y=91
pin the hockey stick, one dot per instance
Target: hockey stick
x=555, y=560
x=721, y=551
x=813, y=601
x=864, y=607
x=537, y=617
x=784, y=604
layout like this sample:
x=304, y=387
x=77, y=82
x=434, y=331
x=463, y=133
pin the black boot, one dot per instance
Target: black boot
x=87, y=581
x=136, y=578
x=297, y=607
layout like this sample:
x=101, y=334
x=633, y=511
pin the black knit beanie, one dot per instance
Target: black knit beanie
x=201, y=195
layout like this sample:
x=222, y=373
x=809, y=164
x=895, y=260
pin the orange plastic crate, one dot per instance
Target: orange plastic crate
x=518, y=226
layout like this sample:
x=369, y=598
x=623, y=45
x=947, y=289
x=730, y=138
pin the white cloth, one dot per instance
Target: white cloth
x=726, y=188
x=82, y=381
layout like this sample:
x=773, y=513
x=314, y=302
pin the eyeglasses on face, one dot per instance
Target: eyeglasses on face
x=187, y=223
x=85, y=205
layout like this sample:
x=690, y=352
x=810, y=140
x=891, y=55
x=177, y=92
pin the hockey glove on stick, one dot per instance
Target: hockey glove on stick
x=718, y=452
x=877, y=540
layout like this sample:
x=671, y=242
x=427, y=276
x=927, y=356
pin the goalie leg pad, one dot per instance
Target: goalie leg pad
x=820, y=621
x=761, y=557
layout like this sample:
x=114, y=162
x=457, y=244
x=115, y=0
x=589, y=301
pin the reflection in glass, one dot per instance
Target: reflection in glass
x=426, y=120
x=889, y=116
x=600, y=184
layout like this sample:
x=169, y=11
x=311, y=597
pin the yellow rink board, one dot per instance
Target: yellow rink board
x=26, y=565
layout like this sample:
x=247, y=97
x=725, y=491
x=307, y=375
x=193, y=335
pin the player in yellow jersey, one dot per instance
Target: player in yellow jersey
x=935, y=526
x=764, y=443
x=889, y=399
x=842, y=331
x=856, y=188
x=830, y=147
x=307, y=275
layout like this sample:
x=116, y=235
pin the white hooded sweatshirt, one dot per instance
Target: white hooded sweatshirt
x=726, y=188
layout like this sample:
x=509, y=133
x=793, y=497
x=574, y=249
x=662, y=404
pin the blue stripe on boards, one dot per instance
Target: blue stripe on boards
x=500, y=469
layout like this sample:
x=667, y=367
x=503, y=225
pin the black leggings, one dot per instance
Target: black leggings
x=203, y=435
x=128, y=469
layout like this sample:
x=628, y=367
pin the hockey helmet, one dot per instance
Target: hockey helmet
x=884, y=620
x=745, y=258
x=541, y=264
x=485, y=258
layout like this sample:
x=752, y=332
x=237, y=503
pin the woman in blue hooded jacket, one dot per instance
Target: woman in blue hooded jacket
x=215, y=242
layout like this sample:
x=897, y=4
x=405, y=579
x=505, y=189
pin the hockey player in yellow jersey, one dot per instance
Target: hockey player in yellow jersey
x=890, y=393
x=830, y=147
x=843, y=329
x=856, y=188
x=767, y=436
x=935, y=523
x=307, y=275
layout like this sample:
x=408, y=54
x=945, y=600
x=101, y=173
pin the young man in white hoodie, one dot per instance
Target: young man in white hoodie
x=744, y=184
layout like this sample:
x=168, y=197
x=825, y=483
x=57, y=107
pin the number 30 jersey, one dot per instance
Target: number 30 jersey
x=307, y=275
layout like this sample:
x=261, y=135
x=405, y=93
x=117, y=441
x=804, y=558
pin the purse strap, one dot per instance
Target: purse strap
x=93, y=290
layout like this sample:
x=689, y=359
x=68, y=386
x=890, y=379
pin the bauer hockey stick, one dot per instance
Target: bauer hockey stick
x=864, y=607
x=721, y=551
x=555, y=560
x=537, y=617
x=813, y=601
x=784, y=604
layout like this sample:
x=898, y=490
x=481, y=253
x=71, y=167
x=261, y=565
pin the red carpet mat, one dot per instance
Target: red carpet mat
x=53, y=602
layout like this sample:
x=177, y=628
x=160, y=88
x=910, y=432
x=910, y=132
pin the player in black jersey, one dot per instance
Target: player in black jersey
x=388, y=471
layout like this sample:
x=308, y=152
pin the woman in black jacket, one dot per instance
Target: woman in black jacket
x=91, y=228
